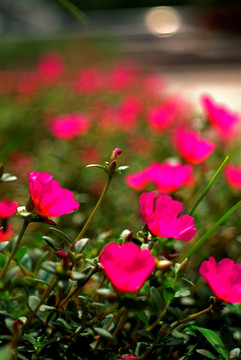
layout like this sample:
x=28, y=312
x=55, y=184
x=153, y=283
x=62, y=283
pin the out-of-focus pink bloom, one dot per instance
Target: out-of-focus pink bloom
x=221, y=117
x=167, y=177
x=233, y=176
x=50, y=68
x=122, y=77
x=153, y=84
x=193, y=148
x=161, y=117
x=138, y=180
x=28, y=83
x=124, y=116
x=89, y=81
x=7, y=234
x=224, y=279
x=20, y=161
x=140, y=145
x=126, y=266
x=129, y=357
x=90, y=155
x=49, y=199
x=161, y=217
x=7, y=208
x=67, y=127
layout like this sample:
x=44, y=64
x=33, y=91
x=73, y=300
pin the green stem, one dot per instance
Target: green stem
x=93, y=212
x=24, y=227
x=210, y=184
x=194, y=316
x=210, y=231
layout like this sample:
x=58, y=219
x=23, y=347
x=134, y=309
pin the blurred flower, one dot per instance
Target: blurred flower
x=126, y=266
x=50, y=68
x=221, y=117
x=20, y=161
x=167, y=176
x=129, y=357
x=7, y=208
x=68, y=126
x=7, y=82
x=161, y=117
x=89, y=80
x=232, y=174
x=191, y=147
x=48, y=198
x=122, y=77
x=161, y=217
x=7, y=234
x=224, y=279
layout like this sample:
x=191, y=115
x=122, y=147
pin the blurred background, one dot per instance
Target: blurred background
x=194, y=45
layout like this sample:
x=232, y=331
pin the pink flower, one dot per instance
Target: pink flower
x=129, y=357
x=167, y=176
x=193, y=148
x=66, y=127
x=126, y=266
x=221, y=117
x=233, y=176
x=161, y=117
x=161, y=217
x=50, y=68
x=224, y=279
x=89, y=81
x=7, y=208
x=49, y=199
x=122, y=77
x=7, y=234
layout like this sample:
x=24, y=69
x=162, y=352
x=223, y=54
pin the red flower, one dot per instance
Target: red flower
x=49, y=199
x=224, y=279
x=193, y=148
x=161, y=217
x=7, y=208
x=126, y=266
x=233, y=176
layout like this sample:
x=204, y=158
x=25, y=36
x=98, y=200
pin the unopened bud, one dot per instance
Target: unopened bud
x=115, y=153
x=164, y=265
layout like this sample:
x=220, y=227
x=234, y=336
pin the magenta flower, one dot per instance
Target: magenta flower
x=90, y=80
x=224, y=279
x=193, y=148
x=161, y=217
x=167, y=176
x=127, y=266
x=232, y=174
x=67, y=127
x=162, y=117
x=50, y=68
x=221, y=117
x=49, y=199
x=7, y=234
x=7, y=208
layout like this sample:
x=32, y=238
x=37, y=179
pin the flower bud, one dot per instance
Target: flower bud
x=164, y=265
x=115, y=153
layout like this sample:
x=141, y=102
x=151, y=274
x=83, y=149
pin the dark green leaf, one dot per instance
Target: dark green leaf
x=20, y=253
x=49, y=266
x=156, y=297
x=142, y=315
x=33, y=302
x=105, y=334
x=227, y=337
x=50, y=242
x=37, y=281
x=169, y=294
x=213, y=339
x=111, y=356
x=145, y=334
x=207, y=354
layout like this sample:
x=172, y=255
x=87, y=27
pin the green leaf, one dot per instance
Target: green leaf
x=36, y=281
x=234, y=353
x=227, y=337
x=105, y=334
x=213, y=339
x=20, y=253
x=50, y=242
x=5, y=353
x=3, y=245
x=142, y=315
x=80, y=245
x=169, y=294
x=97, y=166
x=120, y=169
x=156, y=297
x=49, y=266
x=207, y=354
x=33, y=302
